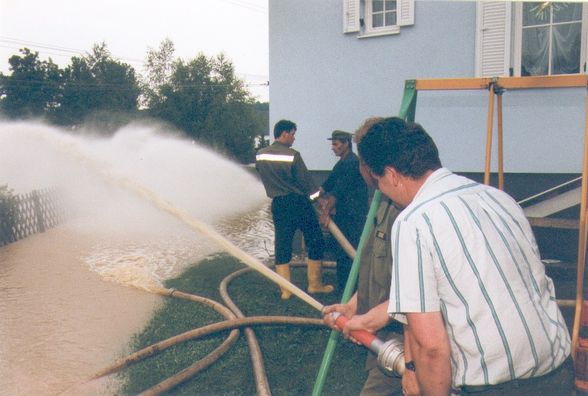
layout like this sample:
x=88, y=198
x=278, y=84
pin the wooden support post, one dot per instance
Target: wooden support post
x=489, y=126
x=582, y=235
x=500, y=140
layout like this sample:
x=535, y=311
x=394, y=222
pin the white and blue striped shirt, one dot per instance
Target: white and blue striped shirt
x=467, y=250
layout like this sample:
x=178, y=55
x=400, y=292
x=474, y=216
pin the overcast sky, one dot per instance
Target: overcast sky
x=61, y=29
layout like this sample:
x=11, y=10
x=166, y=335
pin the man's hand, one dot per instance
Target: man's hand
x=410, y=385
x=324, y=219
x=347, y=310
x=327, y=204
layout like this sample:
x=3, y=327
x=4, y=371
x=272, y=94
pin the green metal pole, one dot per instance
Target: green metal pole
x=407, y=112
x=349, y=287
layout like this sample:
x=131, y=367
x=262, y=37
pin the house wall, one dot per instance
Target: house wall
x=323, y=79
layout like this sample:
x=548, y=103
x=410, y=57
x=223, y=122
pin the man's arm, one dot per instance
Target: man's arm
x=348, y=310
x=372, y=321
x=303, y=176
x=430, y=350
x=410, y=385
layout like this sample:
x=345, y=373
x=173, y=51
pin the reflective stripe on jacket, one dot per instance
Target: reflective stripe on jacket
x=283, y=171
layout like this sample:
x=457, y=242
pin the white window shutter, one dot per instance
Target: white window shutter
x=405, y=12
x=493, y=30
x=350, y=16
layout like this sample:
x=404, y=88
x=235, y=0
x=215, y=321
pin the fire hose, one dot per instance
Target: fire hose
x=387, y=350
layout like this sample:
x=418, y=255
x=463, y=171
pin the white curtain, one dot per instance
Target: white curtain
x=565, y=57
x=535, y=51
x=565, y=43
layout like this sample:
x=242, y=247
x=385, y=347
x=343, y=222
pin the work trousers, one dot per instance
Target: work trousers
x=558, y=382
x=380, y=384
x=295, y=212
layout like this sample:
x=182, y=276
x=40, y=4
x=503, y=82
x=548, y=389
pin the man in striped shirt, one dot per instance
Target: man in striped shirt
x=467, y=279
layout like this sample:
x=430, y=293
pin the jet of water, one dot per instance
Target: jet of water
x=135, y=242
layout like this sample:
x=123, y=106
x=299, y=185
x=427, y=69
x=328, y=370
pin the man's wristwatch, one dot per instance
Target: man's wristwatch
x=410, y=366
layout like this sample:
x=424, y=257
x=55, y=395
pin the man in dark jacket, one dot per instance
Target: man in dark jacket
x=291, y=187
x=346, y=199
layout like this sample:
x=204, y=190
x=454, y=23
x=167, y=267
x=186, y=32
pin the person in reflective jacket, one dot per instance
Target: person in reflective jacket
x=291, y=187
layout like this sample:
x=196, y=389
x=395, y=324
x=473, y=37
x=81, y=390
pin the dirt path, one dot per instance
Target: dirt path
x=59, y=321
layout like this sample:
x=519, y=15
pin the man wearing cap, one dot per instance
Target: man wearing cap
x=291, y=187
x=346, y=198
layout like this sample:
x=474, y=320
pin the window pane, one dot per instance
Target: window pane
x=378, y=5
x=390, y=5
x=565, y=54
x=535, y=52
x=391, y=18
x=565, y=12
x=533, y=14
x=378, y=20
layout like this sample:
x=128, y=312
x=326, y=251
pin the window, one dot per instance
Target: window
x=551, y=38
x=381, y=16
x=543, y=38
x=376, y=17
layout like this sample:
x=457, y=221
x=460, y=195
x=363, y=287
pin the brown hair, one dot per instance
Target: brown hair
x=364, y=127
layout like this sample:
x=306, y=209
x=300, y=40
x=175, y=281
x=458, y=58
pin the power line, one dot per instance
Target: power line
x=31, y=82
x=53, y=47
x=48, y=48
x=248, y=5
x=17, y=41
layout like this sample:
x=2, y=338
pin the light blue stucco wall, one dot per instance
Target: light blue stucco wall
x=323, y=79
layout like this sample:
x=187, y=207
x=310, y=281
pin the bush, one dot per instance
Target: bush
x=8, y=214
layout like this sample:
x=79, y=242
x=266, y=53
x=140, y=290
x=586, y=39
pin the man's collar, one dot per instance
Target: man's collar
x=431, y=179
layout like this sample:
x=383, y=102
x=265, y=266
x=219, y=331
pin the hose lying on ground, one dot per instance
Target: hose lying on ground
x=162, y=345
x=206, y=330
x=232, y=323
x=261, y=382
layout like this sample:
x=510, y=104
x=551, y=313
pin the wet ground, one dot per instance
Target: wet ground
x=71, y=298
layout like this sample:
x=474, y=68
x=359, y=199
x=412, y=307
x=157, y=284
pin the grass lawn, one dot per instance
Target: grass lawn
x=292, y=355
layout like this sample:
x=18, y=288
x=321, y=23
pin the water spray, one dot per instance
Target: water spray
x=390, y=354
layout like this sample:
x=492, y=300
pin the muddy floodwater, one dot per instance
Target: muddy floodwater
x=71, y=297
x=62, y=320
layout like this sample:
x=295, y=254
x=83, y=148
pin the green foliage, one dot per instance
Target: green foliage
x=292, y=355
x=159, y=67
x=201, y=97
x=8, y=213
x=96, y=83
x=262, y=115
x=33, y=87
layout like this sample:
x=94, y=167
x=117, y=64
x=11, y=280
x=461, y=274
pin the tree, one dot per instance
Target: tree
x=33, y=87
x=96, y=83
x=159, y=68
x=204, y=98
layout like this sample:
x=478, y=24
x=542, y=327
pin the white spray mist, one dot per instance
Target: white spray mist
x=135, y=242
